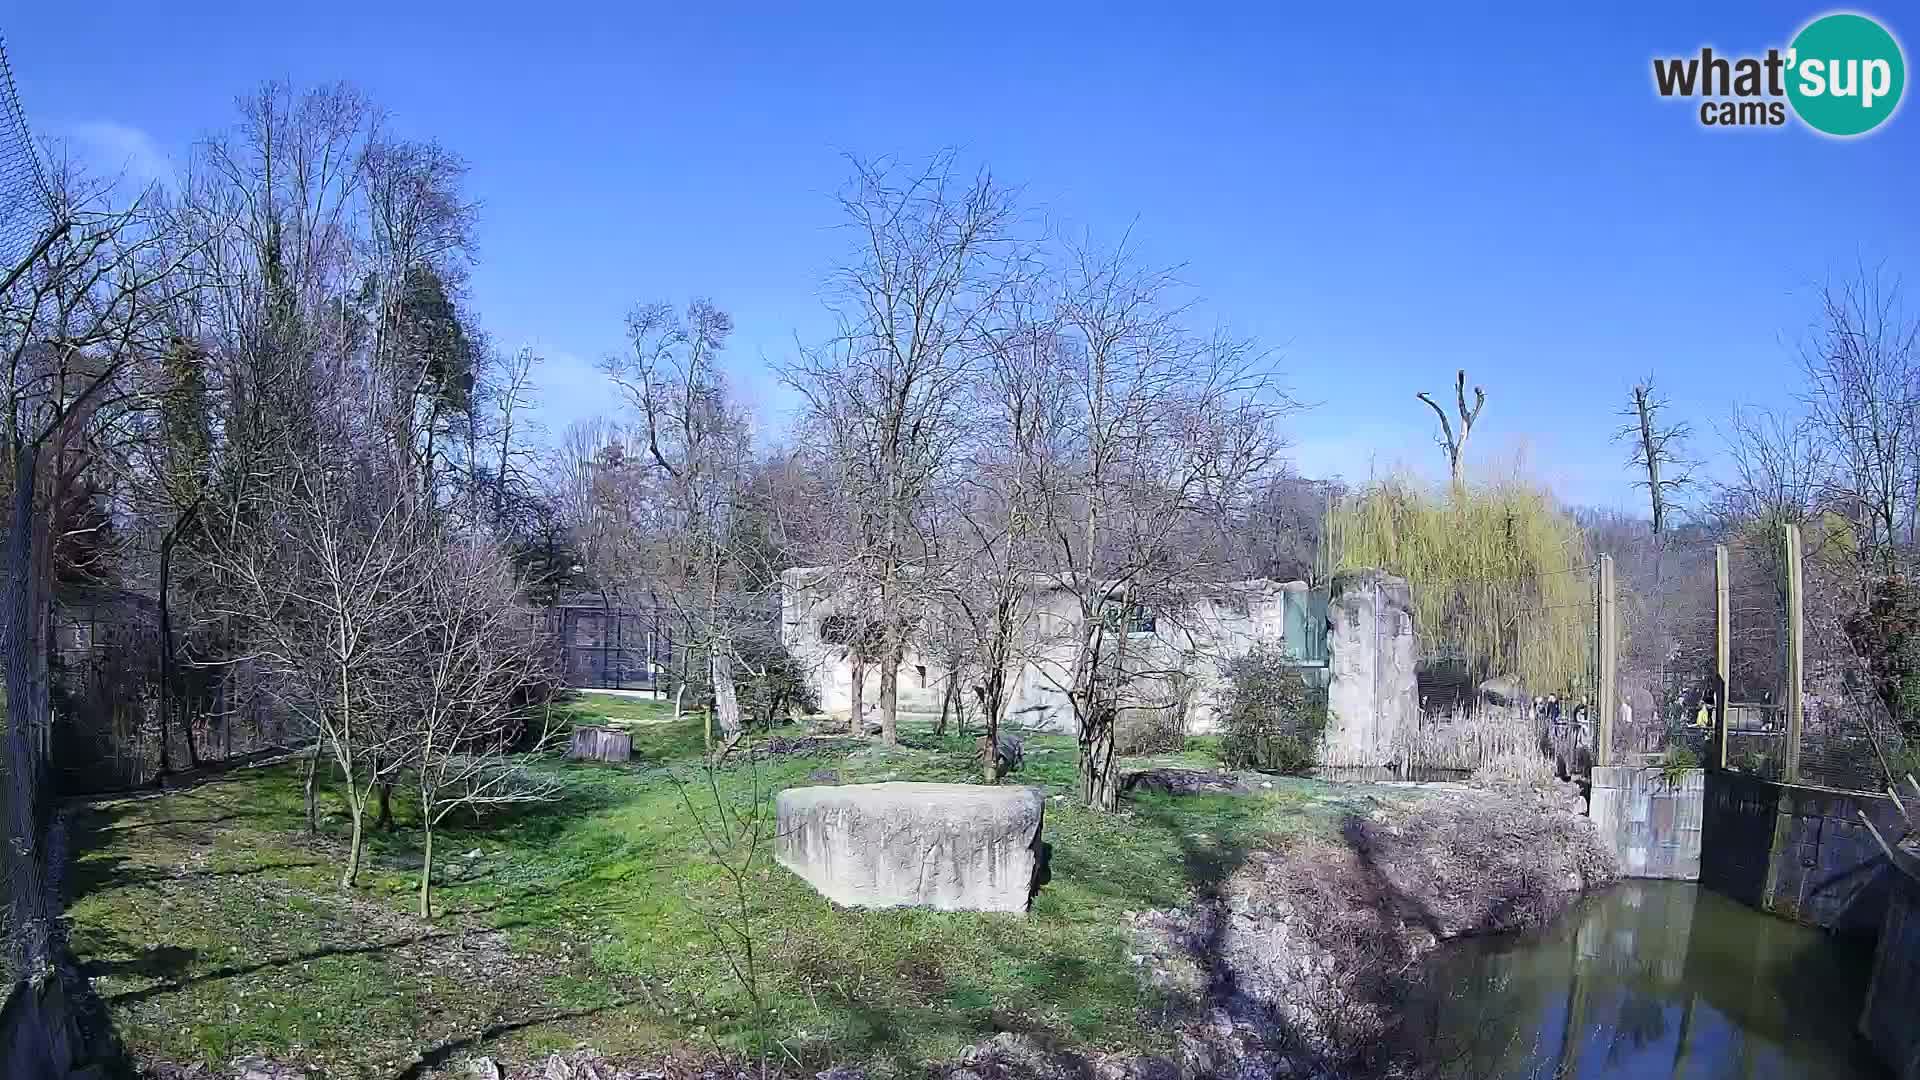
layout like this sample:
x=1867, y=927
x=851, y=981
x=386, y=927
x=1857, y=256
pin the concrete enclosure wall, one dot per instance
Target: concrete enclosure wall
x=1194, y=630
x=1652, y=823
x=1796, y=851
x=1372, y=656
x=1887, y=1021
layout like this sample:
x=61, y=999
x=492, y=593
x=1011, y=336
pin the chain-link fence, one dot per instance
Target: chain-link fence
x=1800, y=645
x=1854, y=667
x=1815, y=660
x=25, y=198
x=605, y=646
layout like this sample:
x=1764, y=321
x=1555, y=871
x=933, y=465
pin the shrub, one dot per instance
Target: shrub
x=1271, y=716
x=1676, y=763
x=1150, y=729
x=1903, y=760
x=1887, y=636
x=771, y=683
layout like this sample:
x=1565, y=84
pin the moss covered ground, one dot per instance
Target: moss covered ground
x=212, y=922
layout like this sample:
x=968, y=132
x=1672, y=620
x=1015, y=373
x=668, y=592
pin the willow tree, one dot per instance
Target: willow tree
x=1498, y=572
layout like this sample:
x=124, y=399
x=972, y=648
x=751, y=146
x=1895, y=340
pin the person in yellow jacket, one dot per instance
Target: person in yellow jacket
x=1704, y=717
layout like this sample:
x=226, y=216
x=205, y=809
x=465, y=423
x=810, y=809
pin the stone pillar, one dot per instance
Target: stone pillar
x=1372, y=652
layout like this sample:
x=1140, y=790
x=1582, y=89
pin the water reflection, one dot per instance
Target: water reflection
x=1650, y=979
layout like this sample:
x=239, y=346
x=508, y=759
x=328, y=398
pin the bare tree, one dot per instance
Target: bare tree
x=1455, y=446
x=995, y=503
x=464, y=694
x=270, y=213
x=934, y=255
x=326, y=578
x=1166, y=434
x=1659, y=451
x=699, y=446
x=1862, y=366
x=1659, y=454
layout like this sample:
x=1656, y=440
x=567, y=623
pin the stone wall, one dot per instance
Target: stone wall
x=1652, y=824
x=1194, y=631
x=1887, y=1021
x=1797, y=851
x=1736, y=835
x=1372, y=656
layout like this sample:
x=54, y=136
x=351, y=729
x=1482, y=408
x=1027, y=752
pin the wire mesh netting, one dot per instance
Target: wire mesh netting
x=25, y=198
x=608, y=647
x=1852, y=696
x=1850, y=734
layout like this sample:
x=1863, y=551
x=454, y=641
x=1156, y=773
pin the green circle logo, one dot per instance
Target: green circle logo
x=1845, y=74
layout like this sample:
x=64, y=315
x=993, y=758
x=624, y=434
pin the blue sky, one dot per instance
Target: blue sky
x=1380, y=194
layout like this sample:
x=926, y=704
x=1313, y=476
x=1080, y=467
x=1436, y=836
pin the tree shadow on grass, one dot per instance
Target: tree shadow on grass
x=441, y=1054
x=1380, y=892
x=175, y=984
x=1208, y=859
x=163, y=962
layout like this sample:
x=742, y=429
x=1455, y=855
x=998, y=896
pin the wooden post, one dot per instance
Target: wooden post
x=1796, y=653
x=1722, y=649
x=1608, y=692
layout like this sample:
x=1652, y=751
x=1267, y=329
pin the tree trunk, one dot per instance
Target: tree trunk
x=186, y=729
x=384, y=819
x=1099, y=788
x=890, y=697
x=992, y=701
x=426, y=867
x=946, y=702
x=726, y=704
x=357, y=811
x=313, y=768
x=30, y=899
x=166, y=655
x=857, y=709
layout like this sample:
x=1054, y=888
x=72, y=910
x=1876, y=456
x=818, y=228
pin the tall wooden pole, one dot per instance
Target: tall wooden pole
x=1722, y=649
x=1796, y=654
x=1608, y=691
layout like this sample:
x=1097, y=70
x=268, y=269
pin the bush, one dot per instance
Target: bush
x=1150, y=729
x=1903, y=760
x=1887, y=635
x=771, y=683
x=1272, y=717
x=1676, y=763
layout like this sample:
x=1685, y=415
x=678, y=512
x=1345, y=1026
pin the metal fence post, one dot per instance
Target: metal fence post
x=1796, y=653
x=1608, y=691
x=1722, y=650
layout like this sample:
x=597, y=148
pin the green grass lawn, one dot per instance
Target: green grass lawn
x=215, y=929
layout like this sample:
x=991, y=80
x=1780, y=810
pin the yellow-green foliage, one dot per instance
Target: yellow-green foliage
x=1497, y=573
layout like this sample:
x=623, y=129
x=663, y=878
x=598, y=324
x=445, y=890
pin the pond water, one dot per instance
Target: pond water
x=1649, y=979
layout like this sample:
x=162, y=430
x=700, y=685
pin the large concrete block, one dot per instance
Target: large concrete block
x=1651, y=822
x=1373, y=655
x=952, y=847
